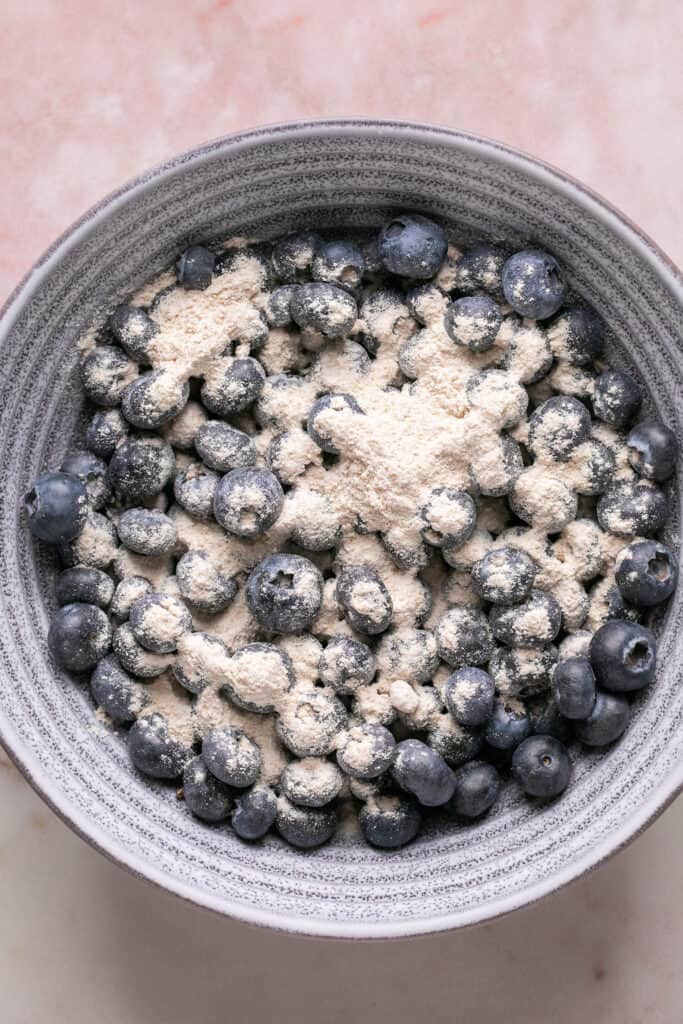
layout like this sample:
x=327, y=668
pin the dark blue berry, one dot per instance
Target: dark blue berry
x=92, y=472
x=576, y=335
x=57, y=507
x=106, y=430
x=422, y=301
x=533, y=284
x=158, y=621
x=231, y=756
x=411, y=245
x=463, y=637
x=83, y=584
x=574, y=683
x=245, y=259
x=140, y=468
x=284, y=593
x=79, y=637
x=106, y=372
x=346, y=664
x=207, y=797
x=247, y=501
x=523, y=671
x=606, y=722
x=389, y=822
x=652, y=450
x=311, y=725
x=616, y=398
x=474, y=322
x=154, y=751
x=456, y=743
x=147, y=531
x=198, y=656
x=597, y=469
x=469, y=694
x=536, y=620
x=424, y=773
x=545, y=718
x=128, y=590
x=508, y=725
x=477, y=785
x=278, y=313
x=117, y=693
x=409, y=654
x=195, y=489
x=448, y=517
x=311, y=782
x=154, y=398
x=332, y=406
x=233, y=387
x=134, y=330
x=195, y=268
x=339, y=263
x=325, y=308
x=254, y=813
x=364, y=599
x=408, y=554
x=541, y=766
x=623, y=655
x=366, y=751
x=632, y=507
x=646, y=573
x=304, y=827
x=135, y=658
x=202, y=584
x=95, y=546
x=480, y=269
x=222, y=447
x=504, y=576
x=557, y=427
x=293, y=255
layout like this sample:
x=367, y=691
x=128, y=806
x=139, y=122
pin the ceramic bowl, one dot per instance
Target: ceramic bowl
x=263, y=183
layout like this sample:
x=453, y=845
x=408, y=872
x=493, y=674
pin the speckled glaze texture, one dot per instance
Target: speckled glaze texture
x=261, y=184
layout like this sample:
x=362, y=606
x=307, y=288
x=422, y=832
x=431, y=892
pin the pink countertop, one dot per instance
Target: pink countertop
x=93, y=93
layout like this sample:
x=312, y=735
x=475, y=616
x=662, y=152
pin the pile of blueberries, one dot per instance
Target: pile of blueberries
x=126, y=468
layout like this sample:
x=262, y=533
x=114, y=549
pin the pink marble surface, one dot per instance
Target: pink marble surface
x=92, y=93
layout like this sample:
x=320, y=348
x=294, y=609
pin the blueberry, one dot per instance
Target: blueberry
x=254, y=813
x=202, y=584
x=652, y=450
x=389, y=822
x=128, y=590
x=248, y=501
x=147, y=531
x=92, y=472
x=541, y=766
x=366, y=751
x=448, y=517
x=247, y=260
x=278, y=313
x=222, y=447
x=426, y=303
x=317, y=526
x=106, y=430
x=84, y=584
x=474, y=322
x=311, y=782
x=284, y=593
x=536, y=620
x=346, y=664
x=195, y=489
x=202, y=659
x=95, y=545
x=508, y=725
x=195, y=268
x=545, y=718
x=364, y=599
x=134, y=330
x=463, y=637
x=154, y=751
x=106, y=372
x=207, y=797
x=469, y=695
x=504, y=576
x=456, y=743
x=576, y=335
x=407, y=553
x=57, y=507
x=411, y=245
x=477, y=785
x=424, y=773
x=339, y=263
x=616, y=398
x=646, y=573
x=632, y=507
x=409, y=654
x=523, y=671
x=233, y=386
x=231, y=756
x=545, y=502
x=325, y=308
x=574, y=683
x=140, y=468
x=497, y=472
x=480, y=267
x=282, y=394
x=79, y=637
x=117, y=693
x=597, y=468
x=383, y=311
x=304, y=827
x=293, y=255
x=154, y=398
x=533, y=284
x=623, y=655
x=158, y=620
x=527, y=356
x=557, y=427
x=310, y=724
x=324, y=416
x=606, y=722
x=135, y=658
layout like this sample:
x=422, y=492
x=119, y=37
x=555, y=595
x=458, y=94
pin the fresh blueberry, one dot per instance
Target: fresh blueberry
x=117, y=693
x=202, y=659
x=147, y=531
x=407, y=553
x=128, y=590
x=480, y=268
x=195, y=268
x=477, y=785
x=557, y=427
x=254, y=813
x=448, y=517
x=523, y=671
x=304, y=827
x=339, y=263
x=408, y=654
x=134, y=330
x=474, y=322
x=195, y=489
x=616, y=398
x=325, y=308
x=95, y=546
x=606, y=722
x=456, y=743
x=632, y=507
x=106, y=372
x=154, y=751
x=646, y=573
x=231, y=756
x=135, y=658
x=504, y=576
x=293, y=256
x=574, y=682
x=366, y=751
x=545, y=718
x=382, y=311
x=533, y=284
x=106, y=430
x=222, y=447
x=158, y=620
x=623, y=655
x=463, y=637
x=202, y=584
x=325, y=411
x=389, y=822
x=248, y=501
x=246, y=260
x=541, y=766
x=497, y=472
x=469, y=694
x=597, y=469
x=233, y=386
x=154, y=398
x=284, y=593
x=84, y=584
x=411, y=245
x=311, y=782
x=508, y=725
x=426, y=303
x=424, y=773
x=318, y=528
x=652, y=450
x=576, y=335
x=346, y=664
x=140, y=468
x=57, y=507
x=536, y=620
x=207, y=797
x=364, y=599
x=278, y=313
x=79, y=637
x=92, y=472
x=312, y=723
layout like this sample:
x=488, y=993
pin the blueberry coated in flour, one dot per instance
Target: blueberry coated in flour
x=207, y=797
x=95, y=546
x=504, y=576
x=536, y=620
x=56, y=507
x=616, y=398
x=477, y=785
x=646, y=573
x=574, y=685
x=463, y=637
x=233, y=388
x=362, y=595
x=577, y=335
x=469, y=694
x=448, y=517
x=116, y=692
x=413, y=246
x=195, y=268
x=135, y=658
x=312, y=726
x=106, y=430
x=154, y=398
x=231, y=756
x=533, y=284
x=247, y=501
x=422, y=300
x=346, y=664
x=128, y=590
x=140, y=468
x=304, y=827
x=222, y=447
x=154, y=750
x=194, y=488
x=284, y=593
x=332, y=405
x=106, y=372
x=607, y=721
x=195, y=665
x=423, y=773
x=83, y=584
x=293, y=255
x=255, y=812
x=79, y=636
x=523, y=672
x=558, y=426
x=278, y=313
x=325, y=308
x=366, y=751
x=652, y=451
x=623, y=655
x=134, y=329
x=311, y=782
x=632, y=507
x=202, y=584
x=541, y=766
x=339, y=263
x=146, y=531
x=480, y=268
x=389, y=822
x=158, y=621
x=473, y=321
x=92, y=472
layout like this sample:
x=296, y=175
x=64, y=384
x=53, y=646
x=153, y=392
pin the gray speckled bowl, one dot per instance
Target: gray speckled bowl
x=263, y=183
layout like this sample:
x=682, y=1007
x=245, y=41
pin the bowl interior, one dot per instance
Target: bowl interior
x=262, y=184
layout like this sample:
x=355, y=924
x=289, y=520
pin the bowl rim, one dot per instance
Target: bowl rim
x=20, y=753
